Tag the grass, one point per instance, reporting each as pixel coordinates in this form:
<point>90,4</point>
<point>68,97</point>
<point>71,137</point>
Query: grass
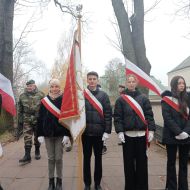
<point>6,137</point>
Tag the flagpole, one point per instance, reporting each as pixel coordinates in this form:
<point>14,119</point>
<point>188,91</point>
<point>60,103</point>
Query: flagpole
<point>79,139</point>
<point>79,16</point>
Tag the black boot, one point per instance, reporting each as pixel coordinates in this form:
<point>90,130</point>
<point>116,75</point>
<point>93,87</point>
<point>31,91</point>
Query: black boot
<point>98,187</point>
<point>37,153</point>
<point>51,184</point>
<point>1,188</point>
<point>87,187</point>
<point>27,158</point>
<point>58,184</point>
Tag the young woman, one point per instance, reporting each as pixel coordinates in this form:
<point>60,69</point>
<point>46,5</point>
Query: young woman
<point>175,111</point>
<point>55,134</point>
<point>134,123</point>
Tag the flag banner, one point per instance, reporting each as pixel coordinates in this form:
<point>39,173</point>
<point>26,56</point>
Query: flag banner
<point>73,104</point>
<point>143,78</point>
<point>8,101</point>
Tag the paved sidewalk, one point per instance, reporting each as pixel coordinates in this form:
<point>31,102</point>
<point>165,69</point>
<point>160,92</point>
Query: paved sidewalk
<point>34,176</point>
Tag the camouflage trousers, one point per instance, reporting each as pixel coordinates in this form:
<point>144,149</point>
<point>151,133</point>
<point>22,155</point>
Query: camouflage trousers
<point>28,131</point>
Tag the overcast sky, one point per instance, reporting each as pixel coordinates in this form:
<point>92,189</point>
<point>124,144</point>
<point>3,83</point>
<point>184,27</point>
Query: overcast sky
<point>164,36</point>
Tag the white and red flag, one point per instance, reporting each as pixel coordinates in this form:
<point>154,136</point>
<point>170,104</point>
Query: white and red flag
<point>143,78</point>
<point>73,104</point>
<point>8,101</point>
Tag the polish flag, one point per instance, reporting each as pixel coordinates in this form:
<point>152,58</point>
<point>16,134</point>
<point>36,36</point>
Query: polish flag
<point>8,101</point>
<point>143,78</point>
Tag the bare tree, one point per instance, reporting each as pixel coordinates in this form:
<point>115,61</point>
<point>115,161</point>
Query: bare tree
<point>25,64</point>
<point>131,26</point>
<point>114,75</point>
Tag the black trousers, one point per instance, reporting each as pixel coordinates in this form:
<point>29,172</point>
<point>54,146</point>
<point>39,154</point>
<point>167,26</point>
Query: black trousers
<point>171,181</point>
<point>135,163</point>
<point>89,143</point>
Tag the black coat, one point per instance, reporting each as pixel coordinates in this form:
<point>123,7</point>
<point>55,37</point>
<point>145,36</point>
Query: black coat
<point>48,125</point>
<point>126,119</point>
<point>174,123</point>
<point>96,125</point>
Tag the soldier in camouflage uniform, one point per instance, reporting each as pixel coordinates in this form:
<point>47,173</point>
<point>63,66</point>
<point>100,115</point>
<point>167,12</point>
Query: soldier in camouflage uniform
<point>28,108</point>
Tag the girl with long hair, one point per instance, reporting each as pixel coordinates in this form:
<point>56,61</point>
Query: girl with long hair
<point>175,111</point>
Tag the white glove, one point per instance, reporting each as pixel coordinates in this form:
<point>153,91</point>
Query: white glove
<point>66,141</point>
<point>182,136</point>
<point>121,137</point>
<point>105,137</point>
<point>1,151</point>
<point>150,136</point>
<point>41,139</point>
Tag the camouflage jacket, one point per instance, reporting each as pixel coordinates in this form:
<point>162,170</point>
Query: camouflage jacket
<point>28,106</point>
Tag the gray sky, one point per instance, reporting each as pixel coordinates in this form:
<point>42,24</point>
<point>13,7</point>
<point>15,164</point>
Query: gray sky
<point>164,36</point>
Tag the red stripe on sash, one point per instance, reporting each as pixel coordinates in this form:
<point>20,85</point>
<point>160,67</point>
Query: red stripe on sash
<point>134,107</point>
<point>173,104</point>
<point>93,103</point>
<point>49,108</point>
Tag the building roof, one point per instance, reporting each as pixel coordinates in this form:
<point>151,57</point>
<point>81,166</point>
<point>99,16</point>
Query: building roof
<point>183,65</point>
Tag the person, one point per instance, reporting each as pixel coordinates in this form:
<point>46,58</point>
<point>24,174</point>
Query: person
<point>98,126</point>
<point>28,108</point>
<point>121,88</point>
<point>175,111</point>
<point>1,149</point>
<point>134,123</point>
<point>104,149</point>
<point>53,132</point>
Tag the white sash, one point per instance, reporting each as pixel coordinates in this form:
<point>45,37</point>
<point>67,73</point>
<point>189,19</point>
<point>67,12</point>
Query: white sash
<point>94,101</point>
<point>51,107</point>
<point>135,106</point>
<point>173,102</point>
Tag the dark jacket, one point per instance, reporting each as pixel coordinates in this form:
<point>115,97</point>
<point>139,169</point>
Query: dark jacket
<point>126,119</point>
<point>96,125</point>
<point>48,125</point>
<point>174,123</point>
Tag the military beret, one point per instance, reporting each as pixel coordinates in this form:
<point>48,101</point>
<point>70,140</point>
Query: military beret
<point>30,82</point>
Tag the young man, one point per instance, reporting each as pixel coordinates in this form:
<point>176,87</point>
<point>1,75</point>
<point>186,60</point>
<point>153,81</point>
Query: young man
<point>28,108</point>
<point>98,126</point>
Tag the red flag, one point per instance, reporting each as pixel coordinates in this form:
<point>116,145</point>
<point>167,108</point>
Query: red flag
<point>8,101</point>
<point>73,103</point>
<point>143,78</point>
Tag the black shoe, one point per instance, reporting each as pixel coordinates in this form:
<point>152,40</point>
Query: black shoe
<point>104,149</point>
<point>98,187</point>
<point>1,188</point>
<point>120,143</point>
<point>87,187</point>
<point>51,184</point>
<point>37,153</point>
<point>58,184</point>
<point>27,158</point>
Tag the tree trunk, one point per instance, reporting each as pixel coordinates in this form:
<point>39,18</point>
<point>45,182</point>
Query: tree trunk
<point>6,50</point>
<point>132,33</point>
<point>125,31</point>
<point>6,38</point>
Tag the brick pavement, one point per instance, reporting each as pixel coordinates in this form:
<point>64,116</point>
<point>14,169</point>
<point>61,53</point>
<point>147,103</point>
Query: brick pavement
<point>34,176</point>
